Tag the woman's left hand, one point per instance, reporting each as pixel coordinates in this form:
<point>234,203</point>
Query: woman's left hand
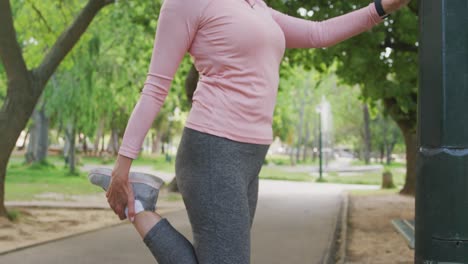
<point>391,6</point>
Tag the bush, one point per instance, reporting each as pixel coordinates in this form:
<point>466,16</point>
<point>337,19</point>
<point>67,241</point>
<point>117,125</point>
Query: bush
<point>13,215</point>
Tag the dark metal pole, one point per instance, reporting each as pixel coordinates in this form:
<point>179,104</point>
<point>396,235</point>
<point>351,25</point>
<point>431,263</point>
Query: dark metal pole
<point>442,176</point>
<point>320,146</point>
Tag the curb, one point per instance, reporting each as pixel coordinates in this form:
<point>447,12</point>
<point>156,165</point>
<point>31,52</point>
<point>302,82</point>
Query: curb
<point>336,253</point>
<point>334,246</point>
<point>342,238</point>
<point>58,239</point>
<point>75,234</point>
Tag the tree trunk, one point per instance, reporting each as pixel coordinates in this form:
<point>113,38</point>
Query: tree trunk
<point>306,141</point>
<point>411,155</point>
<point>407,124</point>
<point>99,132</point>
<point>102,145</point>
<point>31,148</point>
<point>4,157</point>
<point>389,151</point>
<point>71,158</point>
<point>115,140</point>
<point>156,143</point>
<point>382,153</point>
<point>387,180</point>
<point>25,86</point>
<point>299,130</point>
<point>113,145</point>
<point>367,134</point>
<point>85,145</point>
<point>39,137</point>
<point>291,156</point>
<point>43,135</point>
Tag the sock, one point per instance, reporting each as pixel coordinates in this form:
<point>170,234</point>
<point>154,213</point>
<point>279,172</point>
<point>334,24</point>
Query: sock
<point>138,209</point>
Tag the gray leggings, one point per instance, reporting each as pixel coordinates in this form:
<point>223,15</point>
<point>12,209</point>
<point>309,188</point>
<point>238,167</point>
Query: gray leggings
<point>218,180</point>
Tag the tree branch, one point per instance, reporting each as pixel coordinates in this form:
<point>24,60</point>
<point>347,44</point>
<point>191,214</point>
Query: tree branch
<point>414,7</point>
<point>404,120</point>
<point>41,17</point>
<point>399,46</point>
<point>10,51</point>
<point>68,39</point>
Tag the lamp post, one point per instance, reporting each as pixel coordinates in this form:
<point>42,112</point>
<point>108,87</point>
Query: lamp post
<point>442,176</point>
<point>319,111</point>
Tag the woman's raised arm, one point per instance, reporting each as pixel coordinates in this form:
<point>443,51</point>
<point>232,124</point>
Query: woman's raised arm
<point>302,33</point>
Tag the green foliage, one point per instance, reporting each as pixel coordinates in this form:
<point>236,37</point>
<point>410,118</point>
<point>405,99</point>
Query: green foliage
<point>385,133</point>
<point>277,160</point>
<point>102,76</point>
<point>13,215</point>
<point>39,23</point>
<point>382,61</point>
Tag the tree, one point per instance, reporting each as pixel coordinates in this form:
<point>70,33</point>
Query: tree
<point>367,134</point>
<point>385,135</point>
<point>25,86</point>
<point>382,62</point>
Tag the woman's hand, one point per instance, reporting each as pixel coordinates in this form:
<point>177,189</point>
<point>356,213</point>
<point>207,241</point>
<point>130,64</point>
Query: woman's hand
<point>120,192</point>
<point>391,6</point>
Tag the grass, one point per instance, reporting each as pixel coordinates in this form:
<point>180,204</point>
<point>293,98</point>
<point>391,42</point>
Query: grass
<point>364,178</point>
<point>24,182</point>
<point>279,174</point>
<point>374,192</point>
<point>158,162</point>
<point>285,160</point>
<point>391,166</point>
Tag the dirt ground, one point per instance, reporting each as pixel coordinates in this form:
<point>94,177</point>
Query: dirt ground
<point>38,225</point>
<point>372,239</point>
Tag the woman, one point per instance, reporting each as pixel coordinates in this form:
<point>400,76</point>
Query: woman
<point>237,46</point>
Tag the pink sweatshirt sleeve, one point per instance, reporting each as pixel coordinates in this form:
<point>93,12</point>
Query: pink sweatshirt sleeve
<point>177,25</point>
<point>302,33</point>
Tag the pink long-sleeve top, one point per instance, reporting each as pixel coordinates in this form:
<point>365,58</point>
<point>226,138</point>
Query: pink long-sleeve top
<point>237,47</point>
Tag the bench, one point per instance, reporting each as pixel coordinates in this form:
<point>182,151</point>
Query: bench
<point>406,229</point>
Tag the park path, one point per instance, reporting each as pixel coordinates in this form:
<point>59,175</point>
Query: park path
<point>294,224</point>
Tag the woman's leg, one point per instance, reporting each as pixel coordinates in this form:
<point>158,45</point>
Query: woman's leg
<point>144,221</point>
<point>166,244</point>
<point>214,175</point>
<point>252,191</point>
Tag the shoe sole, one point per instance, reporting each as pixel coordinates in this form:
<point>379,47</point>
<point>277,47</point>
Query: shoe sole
<point>134,177</point>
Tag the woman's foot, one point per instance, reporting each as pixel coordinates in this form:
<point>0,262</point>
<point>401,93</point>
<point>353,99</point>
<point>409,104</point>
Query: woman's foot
<point>145,186</point>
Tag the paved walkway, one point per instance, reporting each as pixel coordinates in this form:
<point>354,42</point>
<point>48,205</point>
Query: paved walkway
<point>294,224</point>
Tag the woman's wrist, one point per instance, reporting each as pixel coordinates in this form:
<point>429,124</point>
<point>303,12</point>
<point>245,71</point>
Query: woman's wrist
<point>123,164</point>
<point>390,6</point>
<point>380,9</point>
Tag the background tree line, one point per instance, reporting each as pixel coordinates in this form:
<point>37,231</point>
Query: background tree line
<point>77,67</point>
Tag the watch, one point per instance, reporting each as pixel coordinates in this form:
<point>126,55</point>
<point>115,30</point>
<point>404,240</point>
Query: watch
<point>380,10</point>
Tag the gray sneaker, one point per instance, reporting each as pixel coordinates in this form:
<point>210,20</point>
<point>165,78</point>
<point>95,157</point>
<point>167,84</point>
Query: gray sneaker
<point>145,186</point>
